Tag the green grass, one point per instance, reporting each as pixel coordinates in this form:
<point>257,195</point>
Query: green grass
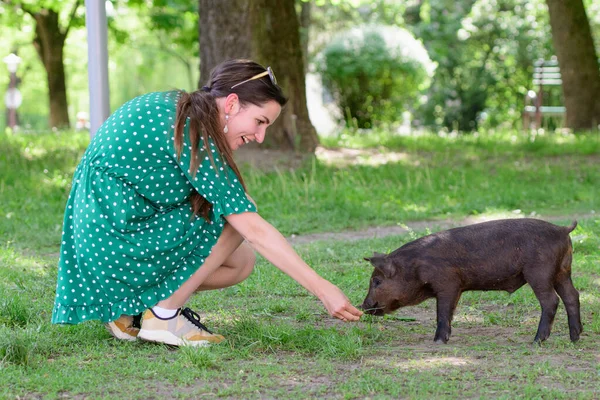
<point>280,342</point>
<point>435,178</point>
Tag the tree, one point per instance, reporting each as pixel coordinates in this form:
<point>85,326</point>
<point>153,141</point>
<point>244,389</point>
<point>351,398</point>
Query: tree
<point>268,32</point>
<point>49,41</point>
<point>174,25</point>
<point>578,62</point>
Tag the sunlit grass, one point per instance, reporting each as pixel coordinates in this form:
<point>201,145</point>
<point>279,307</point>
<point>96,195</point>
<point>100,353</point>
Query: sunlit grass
<point>535,143</point>
<point>280,342</point>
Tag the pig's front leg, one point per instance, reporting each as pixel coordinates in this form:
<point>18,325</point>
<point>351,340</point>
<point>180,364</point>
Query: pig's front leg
<point>446,303</point>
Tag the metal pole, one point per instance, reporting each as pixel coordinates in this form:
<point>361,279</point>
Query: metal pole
<point>95,21</point>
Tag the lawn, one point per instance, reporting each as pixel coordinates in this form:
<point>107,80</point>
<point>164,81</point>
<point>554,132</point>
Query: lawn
<point>280,341</point>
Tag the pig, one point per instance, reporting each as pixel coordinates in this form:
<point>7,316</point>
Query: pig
<point>495,255</point>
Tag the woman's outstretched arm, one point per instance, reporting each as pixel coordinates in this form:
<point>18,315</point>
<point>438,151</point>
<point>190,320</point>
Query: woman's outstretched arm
<point>268,242</point>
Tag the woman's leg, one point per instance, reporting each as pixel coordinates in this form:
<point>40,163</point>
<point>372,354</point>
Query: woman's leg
<point>237,267</point>
<point>230,262</point>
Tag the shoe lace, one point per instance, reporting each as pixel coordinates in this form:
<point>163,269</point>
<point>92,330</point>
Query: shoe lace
<point>137,321</point>
<point>194,318</point>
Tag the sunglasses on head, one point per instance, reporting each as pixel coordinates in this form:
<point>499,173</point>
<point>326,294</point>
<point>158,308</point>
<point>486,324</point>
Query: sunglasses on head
<point>269,72</point>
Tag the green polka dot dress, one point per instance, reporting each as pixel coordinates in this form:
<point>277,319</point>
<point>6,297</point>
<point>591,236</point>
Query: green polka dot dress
<point>129,237</point>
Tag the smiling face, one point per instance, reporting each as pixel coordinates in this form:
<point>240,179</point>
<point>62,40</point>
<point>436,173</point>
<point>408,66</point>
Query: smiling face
<point>249,122</point>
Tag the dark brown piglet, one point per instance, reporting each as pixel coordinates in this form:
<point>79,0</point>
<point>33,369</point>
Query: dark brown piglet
<point>495,255</point>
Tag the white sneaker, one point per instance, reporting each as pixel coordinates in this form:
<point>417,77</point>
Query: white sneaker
<point>182,329</point>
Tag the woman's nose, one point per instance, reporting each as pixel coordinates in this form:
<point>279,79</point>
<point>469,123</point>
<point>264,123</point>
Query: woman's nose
<point>260,135</point>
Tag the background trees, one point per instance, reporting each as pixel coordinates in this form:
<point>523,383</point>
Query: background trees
<point>51,27</point>
<point>483,50</point>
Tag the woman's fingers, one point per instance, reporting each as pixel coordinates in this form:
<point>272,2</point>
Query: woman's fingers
<point>338,305</point>
<point>349,313</point>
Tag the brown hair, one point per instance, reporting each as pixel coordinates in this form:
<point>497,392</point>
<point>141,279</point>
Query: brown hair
<point>201,108</point>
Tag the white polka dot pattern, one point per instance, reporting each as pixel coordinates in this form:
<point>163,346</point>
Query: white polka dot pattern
<point>129,237</point>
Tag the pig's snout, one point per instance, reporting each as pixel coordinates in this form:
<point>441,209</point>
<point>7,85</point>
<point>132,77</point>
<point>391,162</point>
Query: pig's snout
<point>372,308</point>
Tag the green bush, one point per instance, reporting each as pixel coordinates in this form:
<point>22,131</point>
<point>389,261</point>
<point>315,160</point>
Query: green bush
<point>374,73</point>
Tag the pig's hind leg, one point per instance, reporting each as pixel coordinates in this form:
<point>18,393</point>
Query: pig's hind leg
<point>570,296</point>
<point>544,291</point>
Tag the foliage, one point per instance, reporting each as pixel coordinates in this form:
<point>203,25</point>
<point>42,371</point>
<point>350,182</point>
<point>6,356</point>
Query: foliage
<point>328,17</point>
<point>593,13</point>
<point>18,34</point>
<point>176,21</point>
<point>164,57</point>
<point>485,52</point>
<point>374,73</point>
<point>140,59</point>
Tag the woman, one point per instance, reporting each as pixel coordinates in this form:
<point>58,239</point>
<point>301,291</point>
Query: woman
<point>158,210</point>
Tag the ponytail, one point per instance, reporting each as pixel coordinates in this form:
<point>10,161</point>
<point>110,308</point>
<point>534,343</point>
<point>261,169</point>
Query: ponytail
<point>200,110</point>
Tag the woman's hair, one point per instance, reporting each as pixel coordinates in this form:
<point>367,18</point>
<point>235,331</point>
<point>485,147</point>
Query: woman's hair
<point>201,108</point>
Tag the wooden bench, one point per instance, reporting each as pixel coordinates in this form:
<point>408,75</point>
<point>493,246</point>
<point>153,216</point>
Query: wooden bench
<point>546,73</point>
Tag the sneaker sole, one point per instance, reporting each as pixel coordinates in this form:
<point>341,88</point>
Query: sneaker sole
<point>167,337</point>
<point>117,333</point>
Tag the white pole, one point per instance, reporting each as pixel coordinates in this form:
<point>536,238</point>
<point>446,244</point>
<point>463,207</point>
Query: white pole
<point>95,21</point>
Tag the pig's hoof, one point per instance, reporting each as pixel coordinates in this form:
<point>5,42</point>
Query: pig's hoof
<point>441,338</point>
<point>574,338</point>
<point>574,333</point>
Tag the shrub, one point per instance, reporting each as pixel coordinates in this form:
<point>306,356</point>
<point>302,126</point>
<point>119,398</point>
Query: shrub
<point>374,73</point>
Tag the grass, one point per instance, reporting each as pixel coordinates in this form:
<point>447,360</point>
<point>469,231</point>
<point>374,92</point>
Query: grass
<point>280,342</point>
<point>434,178</point>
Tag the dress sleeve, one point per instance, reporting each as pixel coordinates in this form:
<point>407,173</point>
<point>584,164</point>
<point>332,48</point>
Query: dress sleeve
<point>215,180</point>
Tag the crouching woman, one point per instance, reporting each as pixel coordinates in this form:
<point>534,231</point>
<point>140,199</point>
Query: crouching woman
<point>158,210</point>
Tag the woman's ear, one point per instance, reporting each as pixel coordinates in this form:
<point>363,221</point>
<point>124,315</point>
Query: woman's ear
<point>232,104</point>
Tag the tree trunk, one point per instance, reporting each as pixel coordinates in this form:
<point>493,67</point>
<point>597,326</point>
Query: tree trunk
<point>49,42</point>
<point>224,32</point>
<point>266,31</point>
<point>578,62</point>
<point>305,18</point>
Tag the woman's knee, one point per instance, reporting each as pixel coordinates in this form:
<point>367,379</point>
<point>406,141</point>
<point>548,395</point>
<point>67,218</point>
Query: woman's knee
<point>249,261</point>
<point>241,262</point>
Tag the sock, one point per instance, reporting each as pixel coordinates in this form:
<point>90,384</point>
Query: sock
<point>164,312</point>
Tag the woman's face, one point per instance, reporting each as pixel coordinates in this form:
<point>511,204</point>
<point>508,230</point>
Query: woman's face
<point>249,123</point>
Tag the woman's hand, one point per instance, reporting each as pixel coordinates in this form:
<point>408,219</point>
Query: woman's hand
<point>337,304</point>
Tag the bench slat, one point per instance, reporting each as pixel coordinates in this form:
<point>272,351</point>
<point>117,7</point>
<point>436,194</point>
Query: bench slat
<point>547,69</point>
<point>546,110</point>
<point>546,76</point>
<point>547,81</point>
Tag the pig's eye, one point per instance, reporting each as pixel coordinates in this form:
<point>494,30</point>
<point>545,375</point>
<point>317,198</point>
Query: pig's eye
<point>376,281</point>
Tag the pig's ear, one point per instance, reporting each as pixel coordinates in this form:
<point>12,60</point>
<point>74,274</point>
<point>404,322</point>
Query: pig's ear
<point>382,263</point>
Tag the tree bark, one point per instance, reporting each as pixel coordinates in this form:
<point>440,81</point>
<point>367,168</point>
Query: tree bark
<point>578,62</point>
<point>266,31</point>
<point>224,32</point>
<point>305,19</point>
<point>49,42</point>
